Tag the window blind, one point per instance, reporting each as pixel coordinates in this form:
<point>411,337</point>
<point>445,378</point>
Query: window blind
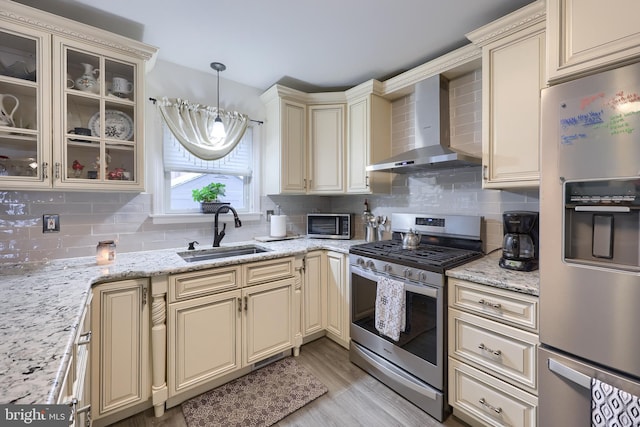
<point>238,162</point>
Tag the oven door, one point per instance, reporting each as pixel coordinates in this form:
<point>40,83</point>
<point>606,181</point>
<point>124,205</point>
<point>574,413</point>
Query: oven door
<point>420,348</point>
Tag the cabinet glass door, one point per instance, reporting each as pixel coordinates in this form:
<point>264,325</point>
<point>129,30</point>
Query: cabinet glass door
<point>21,127</point>
<point>99,144</point>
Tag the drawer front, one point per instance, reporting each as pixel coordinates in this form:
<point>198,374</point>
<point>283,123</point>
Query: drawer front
<point>505,306</point>
<point>489,400</point>
<point>505,351</point>
<point>268,271</point>
<point>206,282</point>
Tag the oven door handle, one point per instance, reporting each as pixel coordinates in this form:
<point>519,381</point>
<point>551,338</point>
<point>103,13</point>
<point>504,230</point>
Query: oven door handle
<point>421,290</point>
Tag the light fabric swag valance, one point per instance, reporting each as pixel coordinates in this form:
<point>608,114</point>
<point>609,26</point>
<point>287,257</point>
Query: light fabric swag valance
<point>192,125</point>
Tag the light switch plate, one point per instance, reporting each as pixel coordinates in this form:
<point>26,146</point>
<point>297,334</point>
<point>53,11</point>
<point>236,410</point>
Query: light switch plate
<point>50,223</point>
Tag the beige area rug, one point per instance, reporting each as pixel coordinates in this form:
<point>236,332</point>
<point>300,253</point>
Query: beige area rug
<point>261,398</point>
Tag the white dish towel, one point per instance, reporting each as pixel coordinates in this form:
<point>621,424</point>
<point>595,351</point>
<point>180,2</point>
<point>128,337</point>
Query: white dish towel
<point>611,406</point>
<point>390,307</point>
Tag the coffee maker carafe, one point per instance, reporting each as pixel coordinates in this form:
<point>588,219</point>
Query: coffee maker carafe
<point>520,241</point>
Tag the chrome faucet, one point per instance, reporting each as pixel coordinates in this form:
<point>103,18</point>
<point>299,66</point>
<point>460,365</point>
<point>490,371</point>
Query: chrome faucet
<point>217,237</point>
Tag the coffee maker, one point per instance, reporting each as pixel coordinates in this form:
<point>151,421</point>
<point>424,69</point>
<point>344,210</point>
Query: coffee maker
<point>520,241</point>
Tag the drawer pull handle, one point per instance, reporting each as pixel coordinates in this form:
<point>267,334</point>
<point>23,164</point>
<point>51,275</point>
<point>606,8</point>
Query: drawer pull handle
<point>490,304</point>
<point>488,406</point>
<point>488,350</point>
<point>84,339</point>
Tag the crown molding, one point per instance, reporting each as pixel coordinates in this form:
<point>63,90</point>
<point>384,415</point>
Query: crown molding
<point>524,17</point>
<point>60,26</point>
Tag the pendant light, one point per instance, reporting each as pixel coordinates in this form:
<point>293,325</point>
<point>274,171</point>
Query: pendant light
<point>218,130</point>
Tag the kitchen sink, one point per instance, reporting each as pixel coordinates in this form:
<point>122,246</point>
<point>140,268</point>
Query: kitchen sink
<point>216,253</point>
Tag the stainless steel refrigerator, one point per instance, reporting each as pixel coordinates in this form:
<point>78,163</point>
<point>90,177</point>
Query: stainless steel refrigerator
<point>589,358</point>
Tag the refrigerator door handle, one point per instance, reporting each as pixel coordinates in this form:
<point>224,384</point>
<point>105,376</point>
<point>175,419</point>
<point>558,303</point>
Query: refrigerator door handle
<point>570,374</point>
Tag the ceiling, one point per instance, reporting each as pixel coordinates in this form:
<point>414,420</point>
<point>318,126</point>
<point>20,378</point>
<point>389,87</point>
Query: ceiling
<point>308,45</point>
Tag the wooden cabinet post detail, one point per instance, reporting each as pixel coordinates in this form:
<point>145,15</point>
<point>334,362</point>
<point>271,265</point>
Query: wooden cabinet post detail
<point>159,343</point>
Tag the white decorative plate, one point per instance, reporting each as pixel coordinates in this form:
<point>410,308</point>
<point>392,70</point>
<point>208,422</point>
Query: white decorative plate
<point>118,125</point>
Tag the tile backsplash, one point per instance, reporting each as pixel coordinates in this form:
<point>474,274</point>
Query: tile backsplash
<point>86,218</point>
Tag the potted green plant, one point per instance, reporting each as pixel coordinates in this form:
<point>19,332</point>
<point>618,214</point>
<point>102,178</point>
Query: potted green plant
<point>208,196</point>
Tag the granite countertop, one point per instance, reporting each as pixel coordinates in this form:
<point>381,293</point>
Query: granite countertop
<point>42,303</point>
<point>487,272</point>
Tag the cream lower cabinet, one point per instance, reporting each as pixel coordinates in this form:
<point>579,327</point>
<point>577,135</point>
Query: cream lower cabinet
<point>225,319</point>
<point>267,325</point>
<point>337,298</point>
<point>204,339</point>
<point>313,308</point>
<point>584,36</point>
<point>513,73</point>
<point>120,359</point>
<point>493,342</point>
<point>326,296</point>
<point>76,385</point>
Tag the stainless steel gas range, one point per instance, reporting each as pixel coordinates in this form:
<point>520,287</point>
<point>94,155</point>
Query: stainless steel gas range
<point>414,365</point>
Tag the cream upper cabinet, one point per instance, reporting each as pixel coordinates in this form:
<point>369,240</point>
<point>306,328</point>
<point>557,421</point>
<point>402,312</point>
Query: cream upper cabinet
<point>513,75</point>
<point>100,91</point>
<point>368,139</point>
<point>326,148</point>
<point>75,97</point>
<point>588,35</point>
<point>284,154</point>
<point>321,143</point>
<point>25,128</point>
<point>120,368</point>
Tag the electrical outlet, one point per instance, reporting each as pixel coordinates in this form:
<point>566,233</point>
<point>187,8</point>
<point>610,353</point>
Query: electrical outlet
<point>269,213</point>
<point>50,223</point>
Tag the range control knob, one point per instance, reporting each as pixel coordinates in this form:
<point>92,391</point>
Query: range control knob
<point>360,261</point>
<point>387,268</point>
<point>407,273</point>
<point>370,264</point>
<point>423,276</point>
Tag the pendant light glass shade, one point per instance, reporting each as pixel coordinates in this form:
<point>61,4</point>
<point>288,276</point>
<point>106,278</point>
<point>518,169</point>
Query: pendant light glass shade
<point>218,130</point>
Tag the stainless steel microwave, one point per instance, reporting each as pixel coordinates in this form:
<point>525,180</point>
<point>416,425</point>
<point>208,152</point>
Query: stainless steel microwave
<point>330,226</point>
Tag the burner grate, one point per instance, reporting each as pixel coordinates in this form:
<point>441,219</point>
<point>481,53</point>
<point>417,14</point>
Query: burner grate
<point>424,255</point>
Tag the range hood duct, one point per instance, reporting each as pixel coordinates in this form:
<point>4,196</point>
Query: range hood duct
<point>432,141</point>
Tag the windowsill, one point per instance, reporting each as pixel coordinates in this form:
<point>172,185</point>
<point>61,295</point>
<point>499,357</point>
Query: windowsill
<point>193,218</point>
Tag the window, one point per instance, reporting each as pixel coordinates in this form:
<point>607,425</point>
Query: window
<point>184,172</point>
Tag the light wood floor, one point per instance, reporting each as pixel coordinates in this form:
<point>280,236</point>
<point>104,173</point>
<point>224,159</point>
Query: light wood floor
<point>354,398</point>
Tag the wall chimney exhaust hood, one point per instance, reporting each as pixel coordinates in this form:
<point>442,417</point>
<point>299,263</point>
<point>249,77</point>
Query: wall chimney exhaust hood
<point>432,134</point>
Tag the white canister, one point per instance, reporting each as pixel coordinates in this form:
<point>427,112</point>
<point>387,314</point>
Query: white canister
<point>278,226</point>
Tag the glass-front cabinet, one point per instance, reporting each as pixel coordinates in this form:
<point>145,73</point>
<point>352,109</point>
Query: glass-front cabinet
<point>71,104</point>
<point>97,123</point>
<point>24,89</point>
